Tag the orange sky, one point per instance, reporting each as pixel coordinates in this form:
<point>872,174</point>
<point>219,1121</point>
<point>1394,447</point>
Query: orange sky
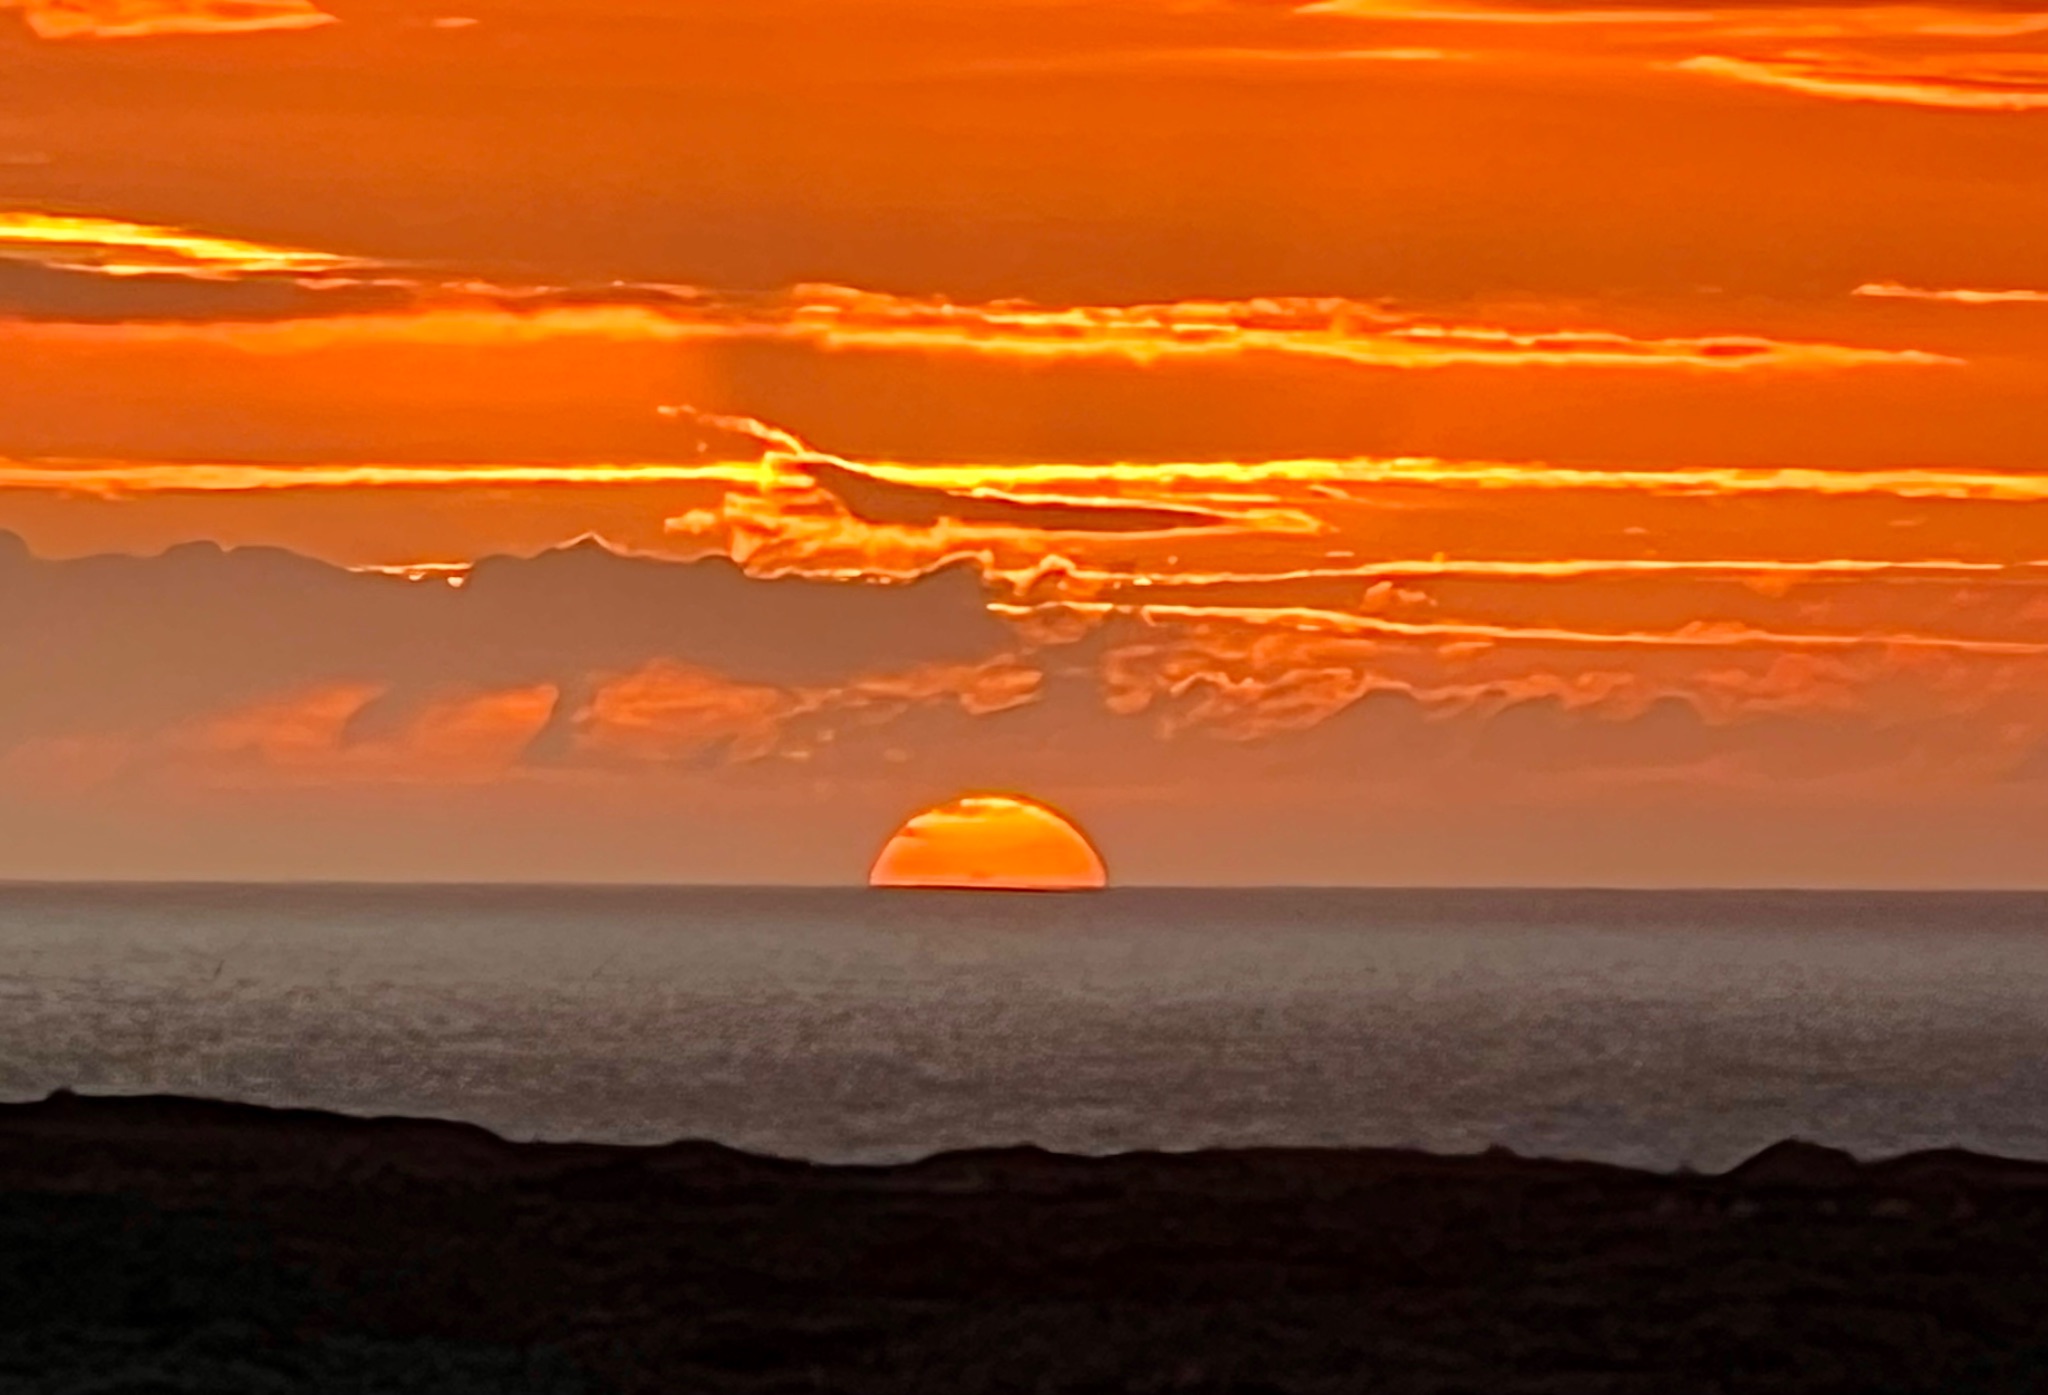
<point>1336,442</point>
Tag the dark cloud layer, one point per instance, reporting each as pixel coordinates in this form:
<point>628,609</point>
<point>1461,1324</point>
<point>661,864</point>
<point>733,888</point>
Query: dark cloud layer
<point>35,292</point>
<point>126,643</point>
<point>916,506</point>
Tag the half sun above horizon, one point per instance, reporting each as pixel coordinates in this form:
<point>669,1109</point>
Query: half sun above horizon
<point>990,842</point>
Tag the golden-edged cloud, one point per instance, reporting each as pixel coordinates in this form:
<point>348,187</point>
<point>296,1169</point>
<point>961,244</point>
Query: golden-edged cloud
<point>1958,57</point>
<point>1225,59</point>
<point>1329,328</point>
<point>1245,683</point>
<point>898,502</point>
<point>842,321</point>
<point>115,247</point>
<point>453,312</point>
<point>1539,15</point>
<point>791,508</point>
<point>119,479</point>
<point>887,325</point>
<point>1702,634</point>
<point>138,19</point>
<point>1892,290</point>
<point>2000,83</point>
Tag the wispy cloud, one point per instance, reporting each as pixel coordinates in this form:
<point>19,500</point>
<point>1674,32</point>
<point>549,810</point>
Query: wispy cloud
<point>897,502</point>
<point>469,311</point>
<point>839,320</point>
<point>1765,572</point>
<point>1218,59</point>
<point>137,19</point>
<point>114,247</point>
<point>1331,328</point>
<point>1116,533</point>
<point>1028,485</point>
<point>1568,14</point>
<point>1976,19</point>
<point>1954,56</point>
<point>1892,290</point>
<point>2009,83</point>
<point>118,480</point>
<point>1245,682</point>
<point>1702,634</point>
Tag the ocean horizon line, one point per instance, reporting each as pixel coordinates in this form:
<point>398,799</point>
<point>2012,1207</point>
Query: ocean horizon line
<point>1617,889</point>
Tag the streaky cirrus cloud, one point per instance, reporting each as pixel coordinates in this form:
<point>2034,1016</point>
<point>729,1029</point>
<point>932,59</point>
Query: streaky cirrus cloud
<point>139,19</point>
<point>1334,328</point>
<point>1958,57</point>
<point>477,312</point>
<point>1219,58</point>
<point>2003,83</point>
<point>1962,19</point>
<point>813,514</point>
<point>1189,478</point>
<point>792,511</point>
<point>849,321</point>
<point>1701,634</point>
<point>115,247</point>
<point>1759,571</point>
<point>1892,290</point>
<point>1622,15</point>
<point>873,499</point>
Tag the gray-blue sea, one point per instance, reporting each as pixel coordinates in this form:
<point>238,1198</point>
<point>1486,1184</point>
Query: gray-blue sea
<point>1648,1028</point>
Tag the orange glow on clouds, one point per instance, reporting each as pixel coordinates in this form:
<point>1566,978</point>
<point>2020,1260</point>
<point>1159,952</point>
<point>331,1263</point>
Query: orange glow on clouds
<point>303,738</point>
<point>138,19</point>
<point>836,319</point>
<point>2010,83</point>
<point>119,480</point>
<point>666,712</point>
<point>989,842</point>
<point>468,313</point>
<point>1961,295</point>
<point>1898,54</point>
<point>114,247</point>
<point>1094,397</point>
<point>1699,634</point>
<point>1328,328</point>
<point>662,714</point>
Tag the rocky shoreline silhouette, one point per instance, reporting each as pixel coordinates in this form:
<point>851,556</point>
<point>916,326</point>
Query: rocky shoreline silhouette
<point>169,1245</point>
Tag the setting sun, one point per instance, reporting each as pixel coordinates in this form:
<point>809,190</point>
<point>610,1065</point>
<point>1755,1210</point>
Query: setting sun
<point>990,842</point>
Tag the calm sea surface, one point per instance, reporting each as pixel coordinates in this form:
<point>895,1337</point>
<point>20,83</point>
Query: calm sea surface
<point>1645,1028</point>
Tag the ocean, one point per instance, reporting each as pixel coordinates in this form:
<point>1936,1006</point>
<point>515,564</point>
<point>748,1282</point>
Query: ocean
<point>1655,1029</point>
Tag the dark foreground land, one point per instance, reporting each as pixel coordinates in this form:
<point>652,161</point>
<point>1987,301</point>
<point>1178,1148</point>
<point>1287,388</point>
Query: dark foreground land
<point>167,1245</point>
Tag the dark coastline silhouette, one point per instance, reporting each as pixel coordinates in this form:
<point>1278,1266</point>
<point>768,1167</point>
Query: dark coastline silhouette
<point>172,1245</point>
